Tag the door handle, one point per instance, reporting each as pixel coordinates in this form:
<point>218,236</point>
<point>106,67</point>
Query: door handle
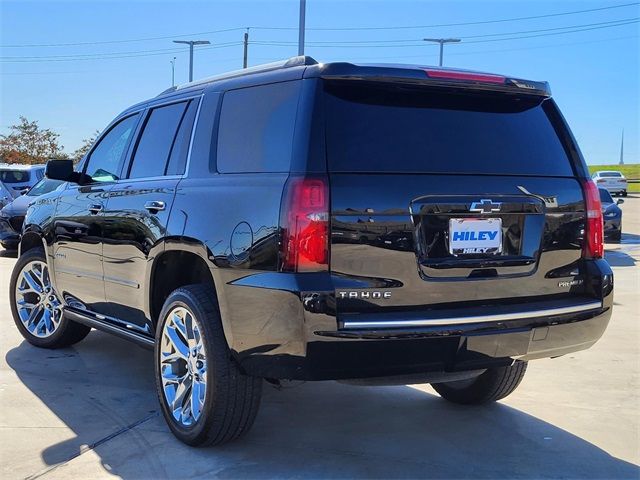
<point>155,206</point>
<point>95,208</point>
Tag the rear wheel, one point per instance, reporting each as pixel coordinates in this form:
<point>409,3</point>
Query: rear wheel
<point>617,236</point>
<point>205,398</point>
<point>624,193</point>
<point>494,384</point>
<point>36,307</point>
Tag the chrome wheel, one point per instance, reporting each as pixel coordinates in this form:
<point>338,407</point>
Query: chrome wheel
<point>183,366</point>
<point>38,306</point>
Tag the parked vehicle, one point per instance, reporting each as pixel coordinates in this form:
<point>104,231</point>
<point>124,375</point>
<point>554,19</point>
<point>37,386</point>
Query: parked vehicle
<point>20,178</point>
<point>612,215</point>
<point>12,215</point>
<point>613,181</point>
<point>201,226</point>
<point>6,196</point>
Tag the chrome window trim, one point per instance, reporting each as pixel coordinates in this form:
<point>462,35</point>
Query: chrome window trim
<point>502,317</point>
<point>193,134</point>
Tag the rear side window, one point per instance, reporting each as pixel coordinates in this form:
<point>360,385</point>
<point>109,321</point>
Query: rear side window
<point>180,149</point>
<point>256,128</point>
<point>158,136</point>
<point>393,128</point>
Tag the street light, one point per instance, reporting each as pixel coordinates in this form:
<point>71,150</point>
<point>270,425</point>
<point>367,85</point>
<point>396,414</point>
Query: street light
<point>442,41</point>
<point>173,71</point>
<point>191,43</point>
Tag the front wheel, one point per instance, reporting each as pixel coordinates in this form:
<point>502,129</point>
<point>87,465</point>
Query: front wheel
<point>36,307</point>
<point>205,398</point>
<point>493,385</point>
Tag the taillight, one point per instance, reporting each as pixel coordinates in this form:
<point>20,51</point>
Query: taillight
<point>465,76</point>
<point>304,222</point>
<point>594,227</point>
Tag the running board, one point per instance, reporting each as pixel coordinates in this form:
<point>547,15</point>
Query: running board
<point>88,319</point>
<point>501,317</point>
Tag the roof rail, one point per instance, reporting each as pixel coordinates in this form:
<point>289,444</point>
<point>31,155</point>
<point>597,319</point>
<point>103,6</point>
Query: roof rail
<point>266,67</point>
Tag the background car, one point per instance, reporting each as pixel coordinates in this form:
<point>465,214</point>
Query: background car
<point>12,215</point>
<point>6,196</point>
<point>613,181</point>
<point>612,215</point>
<point>20,178</point>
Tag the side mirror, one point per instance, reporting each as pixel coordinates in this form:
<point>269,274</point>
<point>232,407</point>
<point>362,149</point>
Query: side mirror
<point>619,201</point>
<point>60,170</point>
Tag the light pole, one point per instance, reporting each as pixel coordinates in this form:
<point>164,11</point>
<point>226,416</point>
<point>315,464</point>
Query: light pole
<point>173,71</point>
<point>191,43</point>
<point>442,41</point>
<point>245,56</point>
<point>301,26</point>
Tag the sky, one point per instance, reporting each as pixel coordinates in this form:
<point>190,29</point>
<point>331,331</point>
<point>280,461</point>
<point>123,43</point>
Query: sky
<point>74,65</point>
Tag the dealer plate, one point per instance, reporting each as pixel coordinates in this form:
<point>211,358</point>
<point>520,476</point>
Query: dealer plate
<point>473,236</point>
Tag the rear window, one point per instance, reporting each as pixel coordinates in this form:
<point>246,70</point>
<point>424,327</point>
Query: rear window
<point>15,176</point>
<point>393,128</point>
<point>610,174</point>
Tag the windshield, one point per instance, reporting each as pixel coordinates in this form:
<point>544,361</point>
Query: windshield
<point>394,128</point>
<point>605,196</point>
<point>15,176</point>
<point>44,186</point>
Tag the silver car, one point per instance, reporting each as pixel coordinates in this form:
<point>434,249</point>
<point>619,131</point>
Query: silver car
<point>20,178</point>
<point>611,180</point>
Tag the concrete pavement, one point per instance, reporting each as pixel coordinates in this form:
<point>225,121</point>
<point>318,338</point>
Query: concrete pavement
<point>91,412</point>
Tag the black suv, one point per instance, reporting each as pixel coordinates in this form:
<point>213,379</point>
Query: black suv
<point>375,224</point>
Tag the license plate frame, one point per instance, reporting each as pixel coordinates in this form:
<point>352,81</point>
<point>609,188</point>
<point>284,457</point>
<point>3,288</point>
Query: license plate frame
<point>474,236</point>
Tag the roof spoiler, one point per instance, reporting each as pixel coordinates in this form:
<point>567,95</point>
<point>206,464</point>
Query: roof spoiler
<point>434,76</point>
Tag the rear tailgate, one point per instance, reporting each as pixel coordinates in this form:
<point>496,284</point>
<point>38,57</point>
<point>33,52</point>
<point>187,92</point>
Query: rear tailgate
<point>444,200</point>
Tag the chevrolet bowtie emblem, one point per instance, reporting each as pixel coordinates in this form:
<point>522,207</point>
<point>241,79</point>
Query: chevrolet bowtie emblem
<point>485,206</point>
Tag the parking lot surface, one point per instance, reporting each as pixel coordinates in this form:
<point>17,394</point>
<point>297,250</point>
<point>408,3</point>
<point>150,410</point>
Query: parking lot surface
<point>91,412</point>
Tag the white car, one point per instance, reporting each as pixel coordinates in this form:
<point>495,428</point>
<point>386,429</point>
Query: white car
<point>20,178</point>
<point>611,180</point>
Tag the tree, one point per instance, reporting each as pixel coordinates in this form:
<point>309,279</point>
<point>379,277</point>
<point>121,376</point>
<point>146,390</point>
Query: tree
<point>28,143</point>
<point>87,143</point>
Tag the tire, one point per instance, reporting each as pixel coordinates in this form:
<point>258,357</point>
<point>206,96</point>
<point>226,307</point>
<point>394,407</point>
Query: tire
<point>44,324</point>
<point>231,398</point>
<point>624,194</point>
<point>616,237</point>
<point>493,385</point>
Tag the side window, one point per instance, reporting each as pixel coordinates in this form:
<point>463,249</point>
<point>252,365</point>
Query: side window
<point>256,128</point>
<point>180,149</point>
<point>106,158</point>
<point>158,136</point>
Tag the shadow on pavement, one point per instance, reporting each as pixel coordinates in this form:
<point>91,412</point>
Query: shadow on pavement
<point>616,254</point>
<point>630,239</point>
<point>103,385</point>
